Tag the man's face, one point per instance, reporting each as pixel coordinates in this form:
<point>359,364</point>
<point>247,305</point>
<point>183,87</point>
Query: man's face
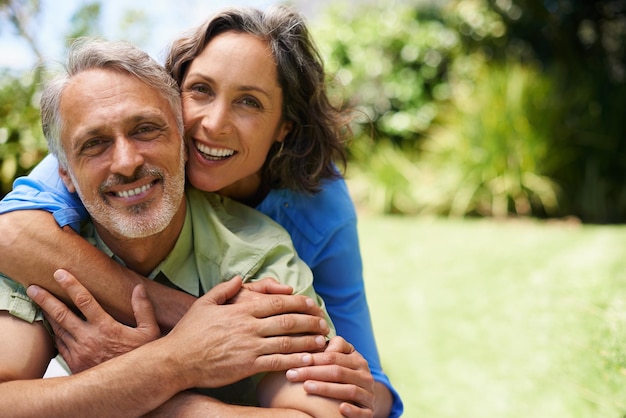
<point>125,155</point>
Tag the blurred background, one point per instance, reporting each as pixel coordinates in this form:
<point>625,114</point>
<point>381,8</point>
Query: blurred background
<point>488,166</point>
<point>466,107</point>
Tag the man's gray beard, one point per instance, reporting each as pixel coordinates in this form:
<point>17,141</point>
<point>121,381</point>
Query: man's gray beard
<point>135,223</point>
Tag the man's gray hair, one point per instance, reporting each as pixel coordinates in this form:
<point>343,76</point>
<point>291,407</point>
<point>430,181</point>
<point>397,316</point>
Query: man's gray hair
<point>92,53</point>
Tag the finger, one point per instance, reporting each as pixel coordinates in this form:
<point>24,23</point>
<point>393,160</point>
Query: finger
<point>58,314</point>
<point>280,362</point>
<point>351,393</point>
<point>270,305</point>
<point>144,311</point>
<point>62,347</point>
<point>349,410</point>
<point>354,361</point>
<point>224,291</point>
<point>338,344</point>
<point>292,344</point>
<point>80,296</point>
<point>290,324</point>
<point>269,285</point>
<point>333,374</point>
<point>59,332</point>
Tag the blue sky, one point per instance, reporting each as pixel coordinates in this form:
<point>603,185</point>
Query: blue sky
<point>169,18</point>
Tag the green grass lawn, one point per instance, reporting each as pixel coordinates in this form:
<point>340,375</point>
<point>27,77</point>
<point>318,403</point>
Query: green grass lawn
<point>499,319</point>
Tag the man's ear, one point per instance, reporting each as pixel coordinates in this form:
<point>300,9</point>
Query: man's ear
<point>67,179</point>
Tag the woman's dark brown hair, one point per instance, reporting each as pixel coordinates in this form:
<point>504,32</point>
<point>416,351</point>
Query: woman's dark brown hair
<point>316,140</point>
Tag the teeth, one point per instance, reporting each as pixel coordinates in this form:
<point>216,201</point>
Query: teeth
<point>215,153</point>
<point>133,192</point>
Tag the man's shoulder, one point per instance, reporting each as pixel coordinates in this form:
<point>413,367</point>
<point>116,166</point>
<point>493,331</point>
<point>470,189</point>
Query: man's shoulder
<point>222,212</point>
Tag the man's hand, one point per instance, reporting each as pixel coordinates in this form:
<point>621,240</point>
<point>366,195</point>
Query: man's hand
<point>268,285</point>
<point>251,291</point>
<point>340,372</point>
<point>98,338</point>
<point>217,344</point>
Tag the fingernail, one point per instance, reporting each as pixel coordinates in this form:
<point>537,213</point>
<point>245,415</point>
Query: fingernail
<point>323,324</point>
<point>310,303</point>
<point>310,386</point>
<point>320,341</point>
<point>59,275</point>
<point>291,374</point>
<point>32,291</point>
<point>306,359</point>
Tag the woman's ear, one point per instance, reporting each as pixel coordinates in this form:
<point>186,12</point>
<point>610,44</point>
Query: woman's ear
<point>284,130</point>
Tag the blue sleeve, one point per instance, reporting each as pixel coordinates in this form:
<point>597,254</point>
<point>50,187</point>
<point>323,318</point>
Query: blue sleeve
<point>323,228</point>
<point>339,281</point>
<point>43,189</point>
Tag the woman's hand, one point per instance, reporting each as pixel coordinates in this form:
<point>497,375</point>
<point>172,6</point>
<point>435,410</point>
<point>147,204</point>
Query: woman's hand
<point>339,372</point>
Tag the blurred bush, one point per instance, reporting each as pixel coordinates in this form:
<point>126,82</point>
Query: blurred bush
<point>21,141</point>
<point>489,108</point>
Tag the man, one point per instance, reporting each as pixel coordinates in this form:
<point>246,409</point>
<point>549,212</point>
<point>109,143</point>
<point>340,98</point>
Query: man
<point>114,125</point>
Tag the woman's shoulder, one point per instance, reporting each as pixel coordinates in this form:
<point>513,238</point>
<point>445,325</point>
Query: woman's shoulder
<point>319,214</point>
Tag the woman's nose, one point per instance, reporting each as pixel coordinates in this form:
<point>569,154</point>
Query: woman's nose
<point>217,119</point>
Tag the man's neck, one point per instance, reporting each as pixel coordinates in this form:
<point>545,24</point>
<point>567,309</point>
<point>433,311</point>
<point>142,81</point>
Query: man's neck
<point>143,255</point>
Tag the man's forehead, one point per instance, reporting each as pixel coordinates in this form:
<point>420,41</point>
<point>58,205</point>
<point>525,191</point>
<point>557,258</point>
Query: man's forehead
<point>96,81</point>
<point>101,100</point>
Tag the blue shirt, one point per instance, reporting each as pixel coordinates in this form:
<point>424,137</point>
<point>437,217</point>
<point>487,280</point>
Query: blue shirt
<point>322,227</point>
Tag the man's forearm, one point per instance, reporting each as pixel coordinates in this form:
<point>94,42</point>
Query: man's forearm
<point>127,386</point>
<point>33,247</point>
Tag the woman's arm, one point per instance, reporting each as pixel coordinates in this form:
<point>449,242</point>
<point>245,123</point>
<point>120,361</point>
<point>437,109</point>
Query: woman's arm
<point>190,404</point>
<point>33,247</point>
<point>275,391</point>
<point>338,279</point>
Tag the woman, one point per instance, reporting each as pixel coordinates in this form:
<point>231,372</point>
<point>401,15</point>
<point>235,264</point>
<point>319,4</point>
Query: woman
<point>259,129</point>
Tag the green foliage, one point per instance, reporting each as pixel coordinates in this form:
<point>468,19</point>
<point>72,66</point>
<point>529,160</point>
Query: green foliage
<point>504,107</point>
<point>390,62</point>
<point>384,178</point>
<point>581,46</point>
<point>494,141</point>
<point>21,141</point>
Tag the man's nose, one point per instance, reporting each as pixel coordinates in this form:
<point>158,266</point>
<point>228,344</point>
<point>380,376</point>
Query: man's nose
<point>126,157</point>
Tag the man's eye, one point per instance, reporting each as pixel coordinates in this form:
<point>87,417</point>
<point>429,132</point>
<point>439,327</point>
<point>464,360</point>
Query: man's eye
<point>92,143</point>
<point>147,132</point>
<point>94,146</point>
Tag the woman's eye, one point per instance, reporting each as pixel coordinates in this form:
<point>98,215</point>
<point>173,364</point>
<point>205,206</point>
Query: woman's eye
<point>200,88</point>
<point>249,101</point>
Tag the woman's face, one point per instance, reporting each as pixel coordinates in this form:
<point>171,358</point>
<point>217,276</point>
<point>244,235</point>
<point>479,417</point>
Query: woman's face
<point>232,111</point>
